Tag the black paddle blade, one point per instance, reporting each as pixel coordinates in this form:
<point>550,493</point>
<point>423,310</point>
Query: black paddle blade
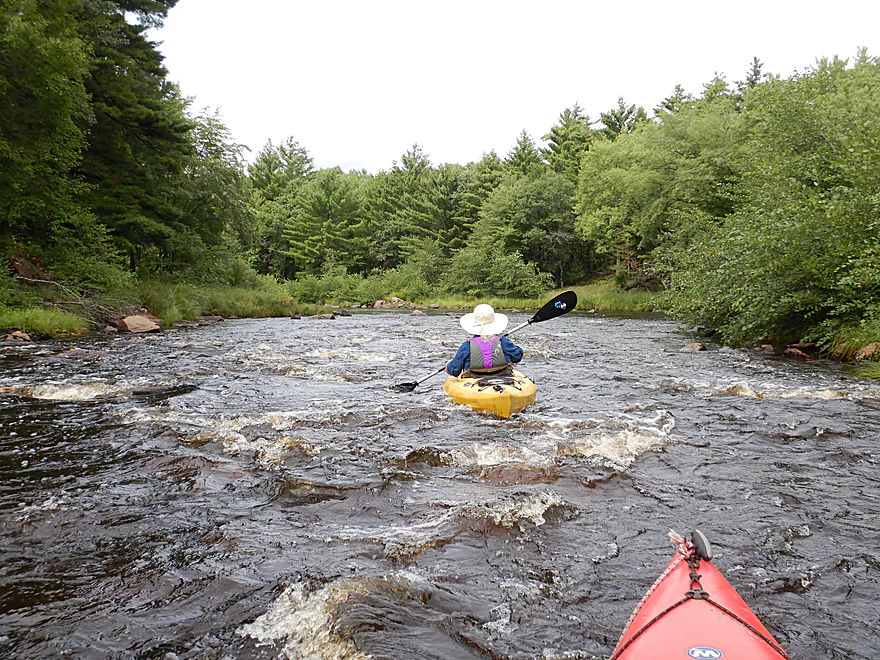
<point>404,387</point>
<point>561,304</point>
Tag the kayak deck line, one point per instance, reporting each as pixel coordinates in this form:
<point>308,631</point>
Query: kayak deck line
<point>500,394</point>
<point>667,632</point>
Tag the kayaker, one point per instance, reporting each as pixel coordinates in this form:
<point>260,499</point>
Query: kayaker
<point>486,352</point>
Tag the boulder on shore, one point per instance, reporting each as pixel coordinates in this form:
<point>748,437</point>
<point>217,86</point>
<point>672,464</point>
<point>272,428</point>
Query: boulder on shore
<point>867,352</point>
<point>18,335</point>
<point>138,324</point>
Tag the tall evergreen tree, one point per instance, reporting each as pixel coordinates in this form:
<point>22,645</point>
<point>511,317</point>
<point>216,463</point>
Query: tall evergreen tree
<point>622,119</point>
<point>140,140</point>
<point>675,102</point>
<point>567,141</point>
<point>276,174</point>
<point>326,223</point>
<point>276,168</point>
<point>524,158</point>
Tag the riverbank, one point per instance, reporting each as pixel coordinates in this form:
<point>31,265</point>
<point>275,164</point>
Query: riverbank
<point>48,309</point>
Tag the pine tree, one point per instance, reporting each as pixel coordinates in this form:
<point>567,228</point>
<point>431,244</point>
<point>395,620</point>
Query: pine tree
<point>622,119</point>
<point>567,141</point>
<point>524,158</point>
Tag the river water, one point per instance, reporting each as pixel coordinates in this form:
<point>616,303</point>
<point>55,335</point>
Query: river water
<point>255,490</point>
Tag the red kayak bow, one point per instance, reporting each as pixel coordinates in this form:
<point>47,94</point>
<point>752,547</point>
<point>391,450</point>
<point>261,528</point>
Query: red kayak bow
<point>692,612</point>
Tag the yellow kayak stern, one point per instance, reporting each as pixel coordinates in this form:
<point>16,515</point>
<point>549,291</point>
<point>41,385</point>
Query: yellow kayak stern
<point>501,395</point>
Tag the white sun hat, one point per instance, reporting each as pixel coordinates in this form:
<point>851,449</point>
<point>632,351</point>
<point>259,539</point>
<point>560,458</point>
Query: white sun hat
<point>484,321</point>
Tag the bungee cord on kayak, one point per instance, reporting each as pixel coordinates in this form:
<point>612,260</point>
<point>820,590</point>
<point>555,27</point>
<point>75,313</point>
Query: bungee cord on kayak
<point>666,632</point>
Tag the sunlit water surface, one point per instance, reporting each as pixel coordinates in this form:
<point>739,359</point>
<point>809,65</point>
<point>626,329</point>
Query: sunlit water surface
<point>255,490</point>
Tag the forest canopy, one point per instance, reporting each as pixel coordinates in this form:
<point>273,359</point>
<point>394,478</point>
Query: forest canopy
<point>752,205</point>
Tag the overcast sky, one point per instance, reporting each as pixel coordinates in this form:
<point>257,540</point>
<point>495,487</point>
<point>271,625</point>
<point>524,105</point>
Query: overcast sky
<point>358,82</point>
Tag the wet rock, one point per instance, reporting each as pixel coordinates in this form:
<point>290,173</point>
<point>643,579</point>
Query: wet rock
<point>868,352</point>
<point>693,347</point>
<point>209,319</point>
<point>322,316</point>
<point>764,348</point>
<point>797,353</point>
<point>18,335</point>
<point>418,312</point>
<point>138,324</point>
<point>343,312</point>
<point>109,330</point>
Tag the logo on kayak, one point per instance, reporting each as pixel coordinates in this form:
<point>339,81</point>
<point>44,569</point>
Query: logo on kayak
<point>704,653</point>
<point>560,305</point>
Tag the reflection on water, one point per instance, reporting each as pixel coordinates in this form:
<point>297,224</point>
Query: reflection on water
<point>255,489</point>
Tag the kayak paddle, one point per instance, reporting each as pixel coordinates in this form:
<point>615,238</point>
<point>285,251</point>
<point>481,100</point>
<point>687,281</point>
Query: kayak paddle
<point>561,304</point>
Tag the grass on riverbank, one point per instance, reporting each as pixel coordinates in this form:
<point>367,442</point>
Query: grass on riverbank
<point>601,295</point>
<point>847,342</point>
<point>855,344</point>
<point>604,296</point>
<point>265,297</point>
<point>176,302</point>
<point>52,322</point>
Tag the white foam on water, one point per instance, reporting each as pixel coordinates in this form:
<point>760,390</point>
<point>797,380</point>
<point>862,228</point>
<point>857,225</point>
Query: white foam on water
<point>26,512</point>
<point>768,390</point>
<point>77,390</point>
<point>621,438</point>
<point>305,624</point>
<point>494,453</point>
<point>270,452</point>
<point>511,511</point>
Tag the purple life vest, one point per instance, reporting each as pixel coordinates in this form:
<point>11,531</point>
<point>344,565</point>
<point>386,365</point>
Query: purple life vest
<point>487,356</point>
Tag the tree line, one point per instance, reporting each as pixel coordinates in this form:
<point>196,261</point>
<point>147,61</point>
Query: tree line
<point>753,205</point>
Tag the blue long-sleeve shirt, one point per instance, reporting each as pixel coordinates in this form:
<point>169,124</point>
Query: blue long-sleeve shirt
<point>462,360</point>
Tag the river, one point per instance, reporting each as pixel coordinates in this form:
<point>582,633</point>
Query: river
<point>254,489</point>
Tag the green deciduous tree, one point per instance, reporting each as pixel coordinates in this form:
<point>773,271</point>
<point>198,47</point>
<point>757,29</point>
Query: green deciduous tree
<point>534,217</point>
<point>44,109</point>
<point>797,259</point>
<point>646,189</point>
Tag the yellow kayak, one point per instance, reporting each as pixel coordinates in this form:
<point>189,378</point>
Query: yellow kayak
<point>500,395</point>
